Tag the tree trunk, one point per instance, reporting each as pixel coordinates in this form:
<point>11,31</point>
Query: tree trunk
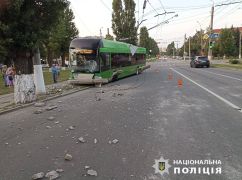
<point>49,57</point>
<point>23,63</point>
<point>24,87</point>
<point>63,64</point>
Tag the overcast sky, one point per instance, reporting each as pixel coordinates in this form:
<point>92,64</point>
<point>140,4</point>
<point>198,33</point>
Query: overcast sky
<point>93,15</point>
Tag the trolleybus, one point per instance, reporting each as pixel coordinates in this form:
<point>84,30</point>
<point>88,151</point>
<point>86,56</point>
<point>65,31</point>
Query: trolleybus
<point>96,60</point>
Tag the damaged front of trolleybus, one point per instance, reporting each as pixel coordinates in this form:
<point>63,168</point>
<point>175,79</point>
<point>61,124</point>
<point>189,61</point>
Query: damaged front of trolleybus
<point>84,61</point>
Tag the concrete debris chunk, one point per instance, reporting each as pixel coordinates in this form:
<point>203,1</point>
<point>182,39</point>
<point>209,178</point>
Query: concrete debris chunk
<point>38,111</point>
<point>81,139</point>
<point>39,104</point>
<point>57,122</point>
<point>48,127</point>
<point>39,175</point>
<point>52,175</point>
<point>51,108</point>
<point>115,141</point>
<point>91,172</point>
<point>59,170</point>
<point>68,157</point>
<point>95,141</point>
<point>51,118</point>
<point>87,167</point>
<point>71,127</point>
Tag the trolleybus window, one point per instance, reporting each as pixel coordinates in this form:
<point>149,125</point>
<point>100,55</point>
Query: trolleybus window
<point>105,62</point>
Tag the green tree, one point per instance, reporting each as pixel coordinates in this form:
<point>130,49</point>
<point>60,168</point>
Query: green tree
<point>144,37</point>
<point>227,42</point>
<point>170,49</point>
<point>236,34</point>
<point>28,22</point>
<point>148,42</point>
<point>123,21</point>
<point>60,36</point>
<point>153,47</point>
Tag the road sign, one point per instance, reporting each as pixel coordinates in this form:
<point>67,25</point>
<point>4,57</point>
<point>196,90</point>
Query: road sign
<point>133,49</point>
<point>214,35</point>
<point>205,36</point>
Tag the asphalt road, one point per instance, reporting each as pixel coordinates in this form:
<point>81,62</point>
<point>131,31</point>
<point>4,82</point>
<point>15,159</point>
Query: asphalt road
<point>170,111</point>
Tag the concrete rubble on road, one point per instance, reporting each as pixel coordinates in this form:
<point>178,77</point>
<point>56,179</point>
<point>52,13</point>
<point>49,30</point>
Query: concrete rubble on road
<point>59,170</point>
<point>68,157</point>
<point>115,141</point>
<point>71,127</point>
<point>87,167</point>
<point>49,108</point>
<point>51,118</point>
<point>39,175</point>
<point>52,175</point>
<point>91,172</point>
<point>81,139</point>
<point>38,111</point>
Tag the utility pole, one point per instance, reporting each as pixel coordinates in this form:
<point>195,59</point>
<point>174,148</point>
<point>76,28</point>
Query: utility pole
<point>101,32</point>
<point>173,52</point>
<point>184,57</point>
<point>210,53</point>
<point>189,48</point>
<point>176,42</point>
<point>201,39</point>
<point>240,45</point>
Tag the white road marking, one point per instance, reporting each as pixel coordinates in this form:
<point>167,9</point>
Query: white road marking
<point>209,91</point>
<point>223,75</point>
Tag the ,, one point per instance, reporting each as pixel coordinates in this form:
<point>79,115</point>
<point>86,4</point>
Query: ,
<point>200,61</point>
<point>95,60</point>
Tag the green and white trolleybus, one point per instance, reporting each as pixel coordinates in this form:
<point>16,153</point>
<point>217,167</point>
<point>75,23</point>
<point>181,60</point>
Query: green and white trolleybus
<point>96,60</point>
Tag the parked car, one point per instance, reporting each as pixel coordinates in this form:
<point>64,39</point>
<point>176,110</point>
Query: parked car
<point>200,61</point>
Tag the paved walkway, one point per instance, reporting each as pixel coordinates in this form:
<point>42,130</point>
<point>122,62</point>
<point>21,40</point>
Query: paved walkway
<point>8,99</point>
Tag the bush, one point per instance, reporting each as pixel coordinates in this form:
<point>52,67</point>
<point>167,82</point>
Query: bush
<point>234,61</point>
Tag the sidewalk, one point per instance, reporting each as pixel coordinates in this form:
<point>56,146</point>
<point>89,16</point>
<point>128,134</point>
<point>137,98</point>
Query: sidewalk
<point>7,100</point>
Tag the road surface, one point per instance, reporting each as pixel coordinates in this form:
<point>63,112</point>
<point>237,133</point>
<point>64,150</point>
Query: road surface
<point>171,111</point>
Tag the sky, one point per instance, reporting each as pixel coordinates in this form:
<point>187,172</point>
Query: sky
<point>93,16</point>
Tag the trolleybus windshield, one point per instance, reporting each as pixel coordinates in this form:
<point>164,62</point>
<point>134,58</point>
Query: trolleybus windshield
<point>84,62</point>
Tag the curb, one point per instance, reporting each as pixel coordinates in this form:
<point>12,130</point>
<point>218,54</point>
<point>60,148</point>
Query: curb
<point>47,99</point>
